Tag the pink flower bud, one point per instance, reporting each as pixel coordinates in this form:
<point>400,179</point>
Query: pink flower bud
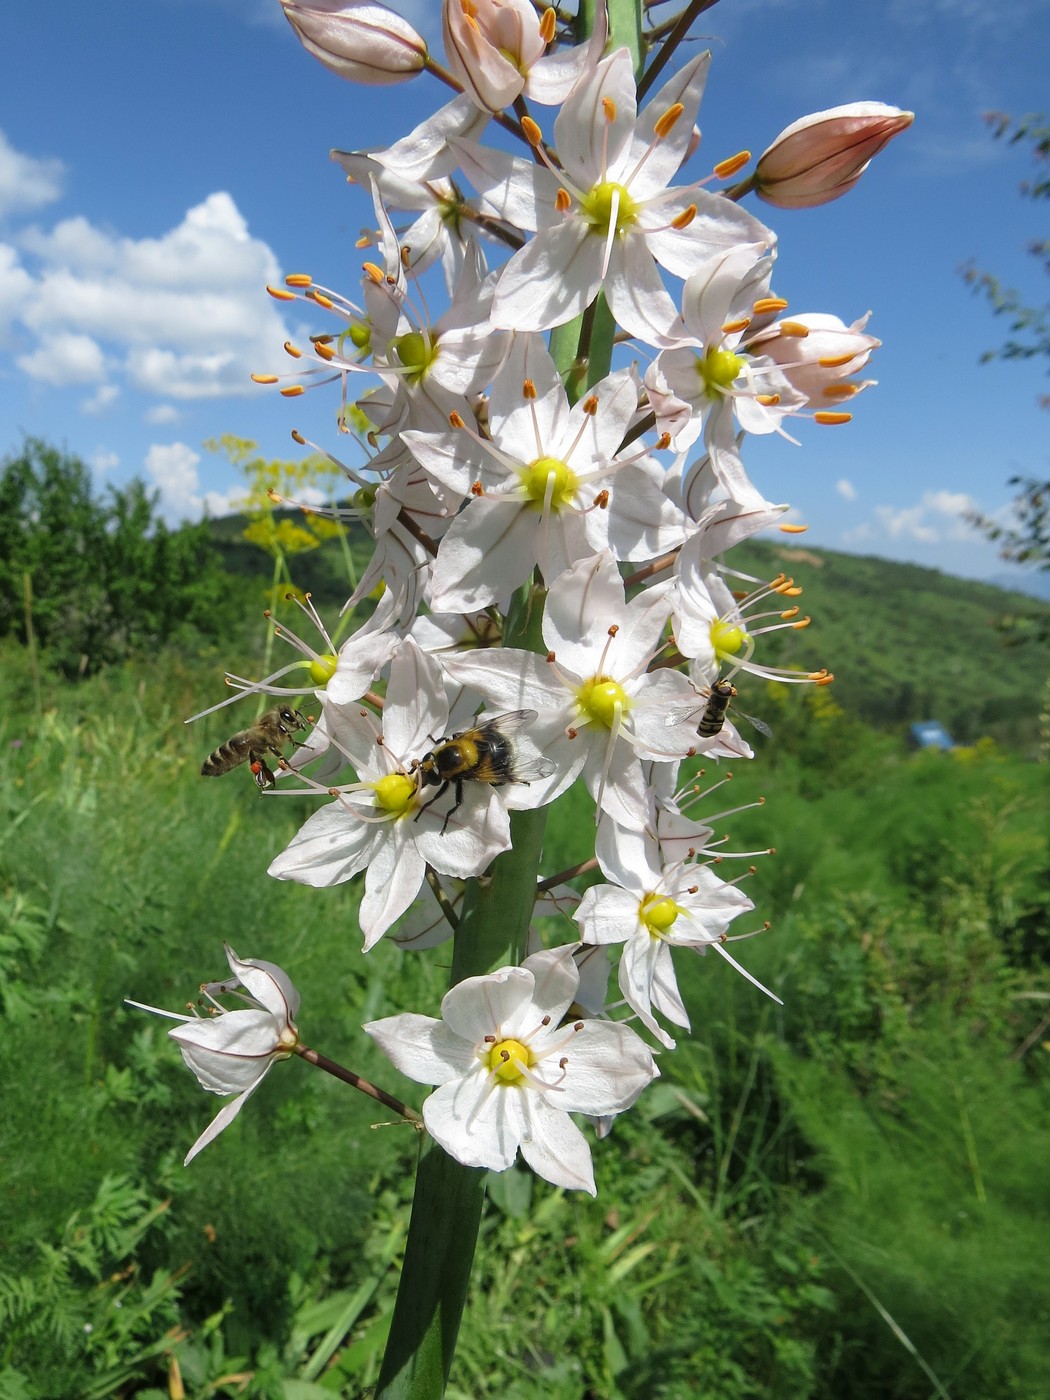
<point>362,41</point>
<point>820,157</point>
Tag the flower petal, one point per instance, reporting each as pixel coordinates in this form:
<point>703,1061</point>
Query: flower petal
<point>423,1048</point>
<point>556,1149</point>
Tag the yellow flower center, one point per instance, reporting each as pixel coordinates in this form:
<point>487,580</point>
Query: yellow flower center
<point>394,793</point>
<point>599,697</point>
<point>727,638</point>
<point>718,369</point>
<point>507,1059</point>
<point>658,913</point>
<point>323,669</point>
<point>597,207</point>
<point>563,482</point>
<point>416,352</point>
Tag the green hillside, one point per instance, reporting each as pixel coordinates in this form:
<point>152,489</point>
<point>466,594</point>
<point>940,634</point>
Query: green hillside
<point>908,643</point>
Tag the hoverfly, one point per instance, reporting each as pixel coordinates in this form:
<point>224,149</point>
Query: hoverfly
<point>715,712</point>
<point>483,754</point>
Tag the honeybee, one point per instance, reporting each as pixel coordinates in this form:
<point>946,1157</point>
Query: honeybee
<point>266,735</point>
<point>713,718</point>
<point>485,754</point>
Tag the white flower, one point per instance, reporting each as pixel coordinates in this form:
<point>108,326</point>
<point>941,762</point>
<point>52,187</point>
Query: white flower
<point>509,1073</point>
<point>709,380</point>
<point>413,174</point>
<point>716,627</point>
<point>651,908</point>
<point>550,489</point>
<point>383,823</point>
<point>231,1052</point>
<point>599,707</point>
<point>818,353</point>
<point>498,49</point>
<point>608,215</point>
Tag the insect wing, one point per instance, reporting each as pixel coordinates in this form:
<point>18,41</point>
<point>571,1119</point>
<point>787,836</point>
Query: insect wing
<point>530,769</point>
<point>681,714</point>
<point>508,723</point>
<point>759,724</point>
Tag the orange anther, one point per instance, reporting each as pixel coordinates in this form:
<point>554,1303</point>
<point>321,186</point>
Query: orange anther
<point>665,123</point>
<point>725,168</point>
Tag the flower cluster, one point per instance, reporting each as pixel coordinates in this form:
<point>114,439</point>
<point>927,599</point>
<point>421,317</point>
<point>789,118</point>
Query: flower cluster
<point>594,484</point>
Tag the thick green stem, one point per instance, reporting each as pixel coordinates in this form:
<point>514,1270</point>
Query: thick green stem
<point>442,1233</point>
<point>446,1209</point>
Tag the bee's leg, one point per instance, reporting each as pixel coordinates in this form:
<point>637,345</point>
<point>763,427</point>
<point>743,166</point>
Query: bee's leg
<point>261,771</point>
<point>457,804</point>
<point>440,793</point>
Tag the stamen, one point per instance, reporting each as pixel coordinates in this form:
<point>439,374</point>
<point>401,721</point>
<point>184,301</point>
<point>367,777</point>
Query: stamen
<point>532,133</point>
<point>831,420</point>
<point>731,165</point>
<point>665,123</point>
<point>279,294</point>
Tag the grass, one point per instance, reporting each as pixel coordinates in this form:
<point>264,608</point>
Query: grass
<point>843,1197</point>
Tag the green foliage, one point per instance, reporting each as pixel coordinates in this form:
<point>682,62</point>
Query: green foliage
<point>842,1197</point>
<point>94,581</point>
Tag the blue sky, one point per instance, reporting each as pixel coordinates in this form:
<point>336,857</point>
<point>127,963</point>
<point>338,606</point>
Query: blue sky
<point>160,162</point>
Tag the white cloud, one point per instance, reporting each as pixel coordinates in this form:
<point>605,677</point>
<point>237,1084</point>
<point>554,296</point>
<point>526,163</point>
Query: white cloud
<point>172,469</point>
<point>846,489</point>
<point>162,413</point>
<point>16,286</point>
<point>185,313</point>
<point>938,517</point>
<point>27,182</point>
<point>906,522</point>
<point>949,502</point>
<point>103,462</point>
<point>65,358</point>
<point>105,396</point>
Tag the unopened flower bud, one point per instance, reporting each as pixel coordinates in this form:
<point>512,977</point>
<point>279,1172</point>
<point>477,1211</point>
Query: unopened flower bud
<point>820,157</point>
<point>362,41</point>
